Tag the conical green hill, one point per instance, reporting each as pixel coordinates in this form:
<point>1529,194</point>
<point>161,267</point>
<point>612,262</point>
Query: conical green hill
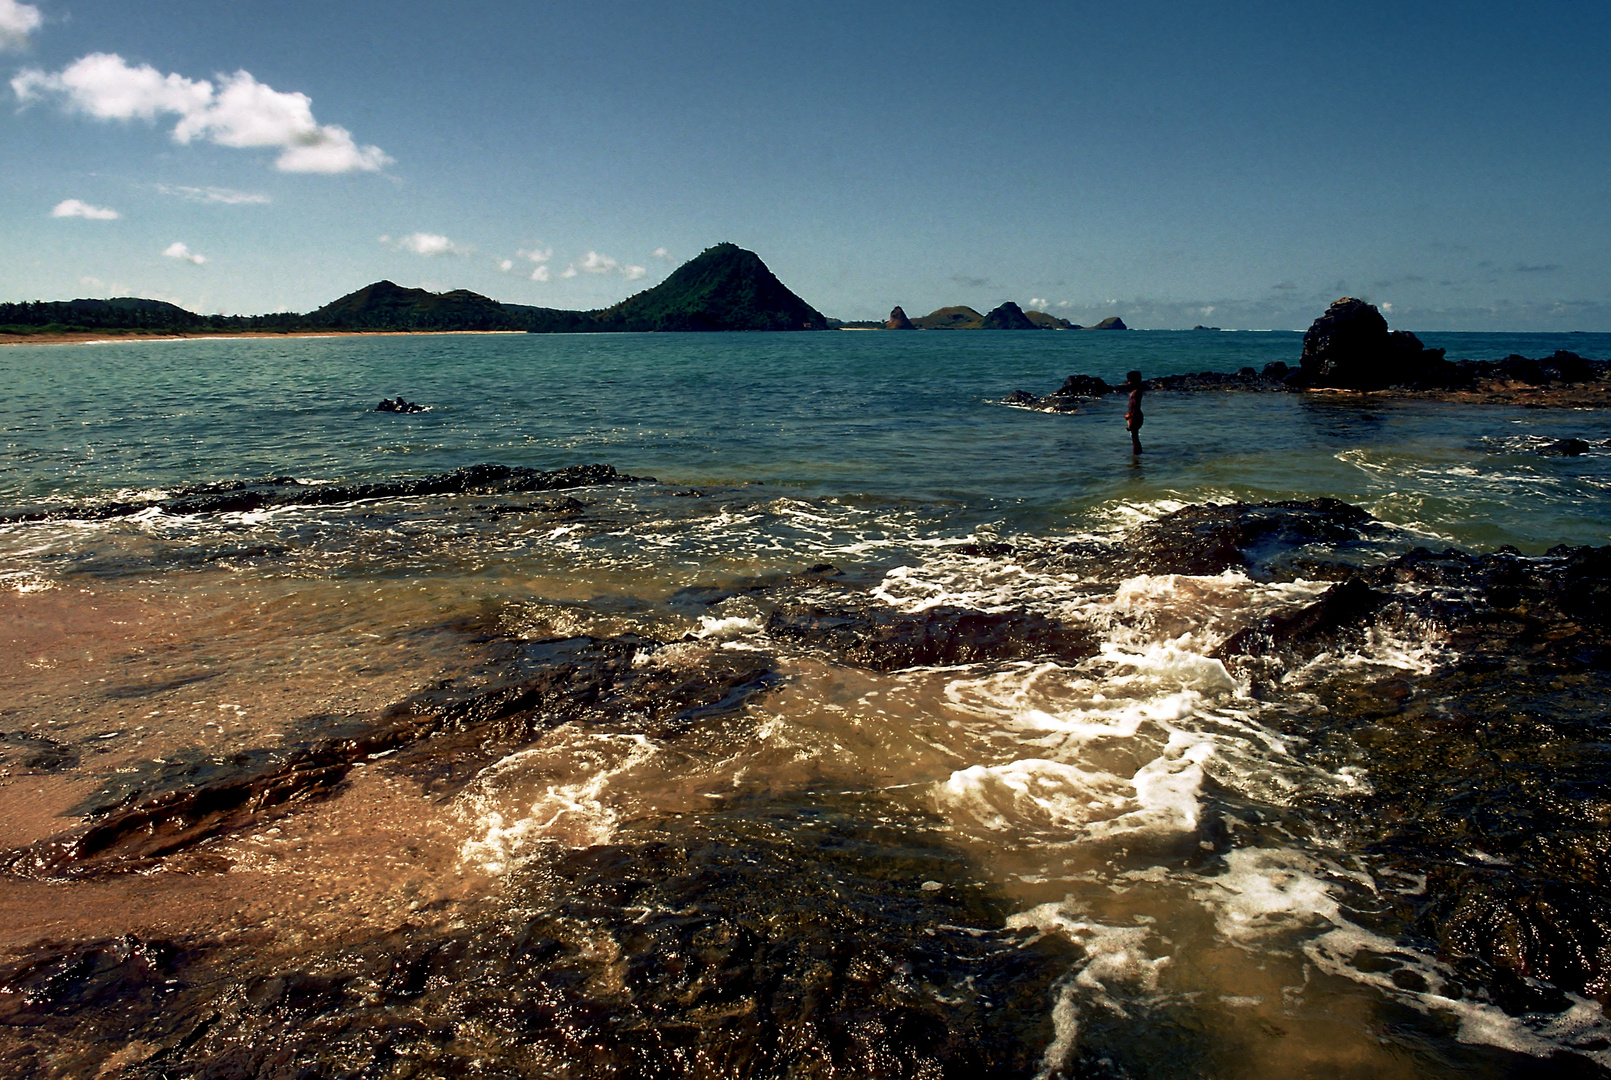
<point>724,288</point>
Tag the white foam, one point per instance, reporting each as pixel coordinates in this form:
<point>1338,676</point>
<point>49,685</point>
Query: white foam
<point>505,828</point>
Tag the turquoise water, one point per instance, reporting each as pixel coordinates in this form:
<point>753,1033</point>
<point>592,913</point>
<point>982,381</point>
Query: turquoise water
<point>886,416</point>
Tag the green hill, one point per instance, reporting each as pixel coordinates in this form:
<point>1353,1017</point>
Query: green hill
<point>1049,322</point>
<point>387,306</point>
<point>950,318</point>
<point>723,288</point>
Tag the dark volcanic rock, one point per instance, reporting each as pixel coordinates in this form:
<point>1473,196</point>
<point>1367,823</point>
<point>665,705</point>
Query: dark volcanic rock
<point>456,727</point>
<point>398,405</point>
<point>246,495</point>
<point>1565,448</point>
<point>1344,608</point>
<point>767,938</point>
<point>1264,539</point>
<point>1009,316</point>
<point>1349,347</point>
<point>884,639</point>
<point>1112,322</point>
<point>898,321</point>
<point>1085,386</point>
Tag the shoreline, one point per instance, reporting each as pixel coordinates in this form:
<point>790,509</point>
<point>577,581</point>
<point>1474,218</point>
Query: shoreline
<point>75,338</point>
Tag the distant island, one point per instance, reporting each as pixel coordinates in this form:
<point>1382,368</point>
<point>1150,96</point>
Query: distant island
<point>724,288</point>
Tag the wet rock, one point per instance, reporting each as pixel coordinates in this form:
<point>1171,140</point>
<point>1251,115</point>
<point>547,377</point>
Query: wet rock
<point>1267,540</point>
<point>1276,369</point>
<point>766,938</point>
<point>1344,608</point>
<point>1349,347</point>
<point>1565,448</point>
<point>247,495</point>
<point>898,321</point>
<point>398,405</point>
<point>441,736</point>
<point>1009,316</point>
<point>885,639</point>
<point>1083,386</point>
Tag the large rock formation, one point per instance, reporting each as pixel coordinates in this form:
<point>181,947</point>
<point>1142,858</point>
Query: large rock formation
<point>1350,347</point>
<point>1112,322</point>
<point>898,321</point>
<point>1009,316</point>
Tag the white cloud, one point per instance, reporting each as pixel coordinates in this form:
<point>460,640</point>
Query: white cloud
<point>80,209</point>
<point>506,265</point>
<point>177,250</point>
<point>17,21</point>
<point>540,273</point>
<point>92,282</point>
<point>1039,303</point>
<point>660,253</point>
<point>218,195</point>
<point>594,263</point>
<point>428,244</point>
<point>240,112</point>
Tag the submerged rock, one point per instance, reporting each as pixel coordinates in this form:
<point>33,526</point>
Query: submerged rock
<point>246,495</point>
<point>885,639</point>
<point>1264,539</point>
<point>1565,448</point>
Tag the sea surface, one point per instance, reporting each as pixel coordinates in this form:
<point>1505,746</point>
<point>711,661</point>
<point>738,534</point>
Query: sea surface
<point>693,811</point>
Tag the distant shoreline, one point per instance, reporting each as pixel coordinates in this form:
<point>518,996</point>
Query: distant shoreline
<point>87,338</point>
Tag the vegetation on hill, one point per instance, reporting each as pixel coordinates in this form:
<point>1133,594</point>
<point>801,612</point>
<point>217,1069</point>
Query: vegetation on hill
<point>950,318</point>
<point>724,288</point>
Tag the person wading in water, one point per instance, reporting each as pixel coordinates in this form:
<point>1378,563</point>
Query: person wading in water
<point>1132,415</point>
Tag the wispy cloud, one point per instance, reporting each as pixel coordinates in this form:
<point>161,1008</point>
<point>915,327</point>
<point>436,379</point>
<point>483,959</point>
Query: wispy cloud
<point>216,195</point>
<point>660,253</point>
<point>427,244</point>
<point>1546,268</point>
<point>239,112</point>
<point>970,282</point>
<point>77,208</point>
<point>17,21</point>
<point>177,250</point>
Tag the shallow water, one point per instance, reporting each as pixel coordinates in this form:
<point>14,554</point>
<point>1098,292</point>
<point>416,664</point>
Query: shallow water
<point>740,850</point>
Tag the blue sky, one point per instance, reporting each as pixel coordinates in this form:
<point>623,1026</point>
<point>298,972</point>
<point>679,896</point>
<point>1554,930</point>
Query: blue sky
<point>1235,165</point>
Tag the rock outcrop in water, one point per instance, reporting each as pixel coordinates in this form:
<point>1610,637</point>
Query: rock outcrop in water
<point>885,639</point>
<point>898,321</point>
<point>399,405</point>
<point>237,496</point>
<point>1349,347</point>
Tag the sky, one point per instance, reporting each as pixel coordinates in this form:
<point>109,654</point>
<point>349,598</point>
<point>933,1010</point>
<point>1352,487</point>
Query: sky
<point>1175,164</point>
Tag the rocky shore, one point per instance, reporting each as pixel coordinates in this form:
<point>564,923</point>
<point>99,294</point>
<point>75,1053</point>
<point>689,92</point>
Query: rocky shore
<point>830,932</point>
<point>1349,349</point>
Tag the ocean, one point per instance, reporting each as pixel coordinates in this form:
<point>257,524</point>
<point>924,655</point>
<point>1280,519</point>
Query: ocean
<point>860,725</point>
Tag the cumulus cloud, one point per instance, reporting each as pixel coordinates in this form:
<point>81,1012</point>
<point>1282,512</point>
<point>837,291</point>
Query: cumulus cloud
<point>660,253</point>
<point>177,250</point>
<point>239,112</point>
<point>427,244</point>
<point>216,195</point>
<point>80,209</point>
<point>541,273</point>
<point>17,21</point>
<point>1039,303</point>
<point>594,263</point>
<point>506,265</point>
